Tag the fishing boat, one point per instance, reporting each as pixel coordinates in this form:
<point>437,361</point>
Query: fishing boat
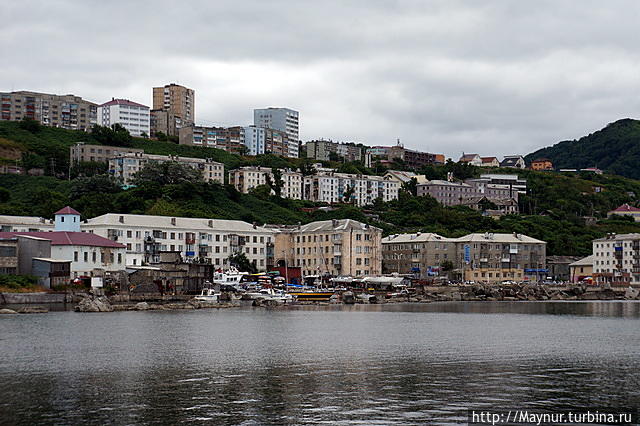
<point>310,294</point>
<point>208,295</point>
<point>230,277</point>
<point>270,293</point>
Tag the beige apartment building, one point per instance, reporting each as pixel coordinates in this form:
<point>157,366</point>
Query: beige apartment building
<point>81,152</point>
<point>330,187</point>
<point>246,178</point>
<point>420,254</point>
<point>64,111</point>
<point>125,166</point>
<point>179,106</point>
<point>330,248</point>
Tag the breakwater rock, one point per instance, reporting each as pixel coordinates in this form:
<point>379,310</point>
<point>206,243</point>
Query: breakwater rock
<point>94,304</point>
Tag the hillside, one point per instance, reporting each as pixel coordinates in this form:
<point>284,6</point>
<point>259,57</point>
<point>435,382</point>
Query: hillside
<point>614,149</point>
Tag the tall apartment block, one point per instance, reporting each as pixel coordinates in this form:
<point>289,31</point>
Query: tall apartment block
<point>131,115</point>
<point>282,119</point>
<point>174,106</point>
<point>64,111</point>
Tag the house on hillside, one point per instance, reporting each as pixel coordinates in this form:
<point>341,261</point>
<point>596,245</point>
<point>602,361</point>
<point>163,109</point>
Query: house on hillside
<point>472,159</point>
<point>513,162</point>
<point>541,164</point>
<point>489,162</point>
<point>626,210</point>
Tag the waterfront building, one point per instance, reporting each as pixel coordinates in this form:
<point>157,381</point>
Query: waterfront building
<point>174,106</point>
<point>493,258</point>
<point>625,210</point>
<point>560,267</point>
<point>131,115</point>
<point>616,260</point>
<point>362,190</point>
<point>124,166</point>
<point>582,269</point>
<point>421,254</point>
<point>283,119</point>
<point>206,240</point>
<point>64,111</point>
<point>513,162</point>
<point>88,254</point>
<point>330,248</point>
<point>321,150</point>
<point>81,152</point>
<point>30,255</point>
<point>245,179</point>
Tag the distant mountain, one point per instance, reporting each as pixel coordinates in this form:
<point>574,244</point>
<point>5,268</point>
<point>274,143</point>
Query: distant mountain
<point>614,149</point>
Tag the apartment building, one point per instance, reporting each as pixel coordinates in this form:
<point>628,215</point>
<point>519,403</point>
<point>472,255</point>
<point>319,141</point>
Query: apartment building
<point>227,138</point>
<point>494,258</point>
<point>321,150</point>
<point>81,152</point>
<point>330,248</point>
<point>208,240</point>
<point>25,224</point>
<point>179,106</point>
<point>616,260</point>
<point>420,254</point>
<point>64,111</point>
<point>254,140</point>
<point>245,179</point>
<point>131,115</point>
<point>330,187</point>
<point>124,166</point>
<point>411,158</point>
<point>511,181</point>
<point>283,119</point>
<point>161,121</point>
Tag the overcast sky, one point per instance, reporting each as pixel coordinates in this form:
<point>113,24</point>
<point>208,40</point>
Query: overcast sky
<point>493,77</point>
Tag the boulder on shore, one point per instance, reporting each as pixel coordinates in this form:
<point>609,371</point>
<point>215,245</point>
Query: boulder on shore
<point>33,310</point>
<point>7,311</point>
<point>94,304</point>
<point>142,306</point>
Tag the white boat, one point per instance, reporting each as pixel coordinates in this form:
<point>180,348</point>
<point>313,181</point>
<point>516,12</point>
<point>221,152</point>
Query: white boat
<point>208,295</point>
<point>231,277</point>
<point>270,293</point>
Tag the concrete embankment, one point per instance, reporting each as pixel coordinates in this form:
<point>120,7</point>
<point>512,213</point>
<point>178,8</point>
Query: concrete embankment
<point>35,298</point>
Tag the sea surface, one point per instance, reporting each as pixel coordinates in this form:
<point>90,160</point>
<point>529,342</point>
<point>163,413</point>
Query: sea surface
<point>363,364</point>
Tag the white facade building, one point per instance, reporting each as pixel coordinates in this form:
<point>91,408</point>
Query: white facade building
<point>254,139</point>
<point>246,178</point>
<point>616,259</point>
<point>332,187</point>
<point>131,115</point>
<point>125,165</point>
<point>210,240</point>
<point>283,119</point>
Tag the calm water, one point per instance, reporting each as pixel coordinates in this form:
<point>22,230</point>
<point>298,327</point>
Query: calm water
<point>403,364</point>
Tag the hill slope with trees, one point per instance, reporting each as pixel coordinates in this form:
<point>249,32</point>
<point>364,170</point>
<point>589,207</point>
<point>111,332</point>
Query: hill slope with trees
<point>614,149</point>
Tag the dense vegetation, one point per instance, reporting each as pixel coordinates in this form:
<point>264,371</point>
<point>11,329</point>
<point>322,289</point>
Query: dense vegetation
<point>614,149</point>
<point>555,209</point>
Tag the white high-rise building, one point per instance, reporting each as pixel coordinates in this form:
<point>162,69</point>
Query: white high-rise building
<point>254,139</point>
<point>131,115</point>
<point>283,119</point>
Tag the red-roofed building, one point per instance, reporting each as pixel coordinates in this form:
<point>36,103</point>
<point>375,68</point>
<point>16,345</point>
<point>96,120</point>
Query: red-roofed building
<point>626,210</point>
<point>88,253</point>
<point>489,162</point>
<point>131,115</point>
<point>67,210</point>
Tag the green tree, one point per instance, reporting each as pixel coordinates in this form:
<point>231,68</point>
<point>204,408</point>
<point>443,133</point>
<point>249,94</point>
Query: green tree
<point>167,173</point>
<point>275,181</point>
<point>31,160</point>
<point>5,195</point>
<point>261,191</point>
<point>30,125</point>
<point>411,186</point>
<point>116,135</point>
<point>242,263</point>
<point>97,184</point>
<point>348,194</point>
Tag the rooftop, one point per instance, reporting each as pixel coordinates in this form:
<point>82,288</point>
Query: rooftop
<point>196,224</point>
<point>413,238</point>
<point>498,238</point>
<point>114,101</point>
<point>67,210</point>
<point>585,261</point>
<point>58,238</point>
<point>626,208</point>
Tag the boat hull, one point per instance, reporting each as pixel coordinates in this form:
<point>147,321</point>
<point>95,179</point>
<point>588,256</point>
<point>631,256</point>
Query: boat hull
<point>312,295</point>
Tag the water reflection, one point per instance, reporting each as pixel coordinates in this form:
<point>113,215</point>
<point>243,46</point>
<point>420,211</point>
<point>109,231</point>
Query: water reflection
<point>371,364</point>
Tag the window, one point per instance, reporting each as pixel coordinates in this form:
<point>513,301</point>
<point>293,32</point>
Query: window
<point>86,256</point>
<point>75,256</point>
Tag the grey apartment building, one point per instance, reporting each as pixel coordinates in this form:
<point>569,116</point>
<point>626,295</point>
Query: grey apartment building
<point>64,111</point>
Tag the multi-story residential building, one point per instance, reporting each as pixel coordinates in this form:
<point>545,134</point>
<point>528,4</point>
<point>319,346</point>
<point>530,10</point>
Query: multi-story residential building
<point>511,181</point>
<point>245,179</point>
<point>445,192</point>
<point>226,138</point>
<point>362,190</point>
<point>81,152</point>
<point>25,224</point>
<point>65,111</point>
<point>420,254</point>
<point>474,193</point>
<point>330,248</point>
<point>254,140</point>
<point>513,162</point>
<point>283,119</point>
<point>321,150</point>
<point>88,254</point>
<point>207,240</point>
<point>411,158</point>
<point>179,106</point>
<point>131,115</point>
<point>125,166</point>
<point>616,260</point>
<point>494,258</point>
